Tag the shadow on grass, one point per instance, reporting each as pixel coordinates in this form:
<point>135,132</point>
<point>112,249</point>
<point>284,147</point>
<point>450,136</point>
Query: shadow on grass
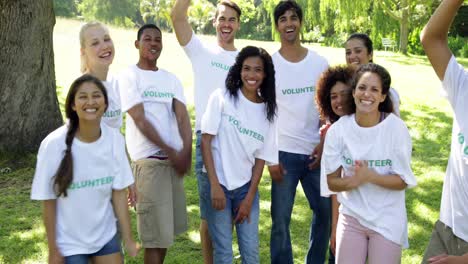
<point>405,59</point>
<point>431,132</point>
<point>19,217</point>
<point>411,59</point>
<point>422,203</point>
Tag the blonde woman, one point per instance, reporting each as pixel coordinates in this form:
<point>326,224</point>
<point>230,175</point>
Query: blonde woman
<point>97,53</point>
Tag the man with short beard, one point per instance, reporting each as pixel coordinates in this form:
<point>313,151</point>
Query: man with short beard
<point>210,64</point>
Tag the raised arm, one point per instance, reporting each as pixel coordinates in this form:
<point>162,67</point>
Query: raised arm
<point>434,35</point>
<point>179,18</point>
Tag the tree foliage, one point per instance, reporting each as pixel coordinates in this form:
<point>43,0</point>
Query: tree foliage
<point>330,21</point>
<point>380,18</point>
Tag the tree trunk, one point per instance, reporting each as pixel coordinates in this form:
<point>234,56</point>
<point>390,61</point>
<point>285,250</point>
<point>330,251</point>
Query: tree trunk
<point>404,27</point>
<point>28,101</point>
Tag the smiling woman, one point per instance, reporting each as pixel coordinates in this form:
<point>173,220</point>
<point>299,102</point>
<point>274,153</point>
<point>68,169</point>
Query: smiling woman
<point>97,54</point>
<point>366,161</point>
<point>76,166</point>
<point>238,125</point>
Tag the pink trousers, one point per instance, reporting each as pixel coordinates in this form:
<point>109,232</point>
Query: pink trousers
<point>355,244</point>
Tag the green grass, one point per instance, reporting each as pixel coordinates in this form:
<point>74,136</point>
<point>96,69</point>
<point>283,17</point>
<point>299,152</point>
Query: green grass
<point>428,116</point>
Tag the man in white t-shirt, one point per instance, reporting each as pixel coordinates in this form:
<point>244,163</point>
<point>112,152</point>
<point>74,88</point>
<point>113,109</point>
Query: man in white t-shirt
<point>297,70</point>
<point>157,120</point>
<point>449,241</point>
<point>210,64</point>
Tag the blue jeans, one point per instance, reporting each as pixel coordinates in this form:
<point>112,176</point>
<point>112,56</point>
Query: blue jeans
<point>202,179</point>
<point>282,202</point>
<point>111,247</point>
<point>220,227</point>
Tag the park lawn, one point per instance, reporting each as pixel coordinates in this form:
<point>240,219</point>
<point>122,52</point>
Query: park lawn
<point>427,115</point>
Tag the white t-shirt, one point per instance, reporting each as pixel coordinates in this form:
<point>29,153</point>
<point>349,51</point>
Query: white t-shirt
<point>113,115</point>
<point>454,204</point>
<point>242,133</point>
<point>85,219</point>
<point>387,148</point>
<point>156,90</point>
<point>298,116</point>
<point>210,65</point>
<point>395,100</point>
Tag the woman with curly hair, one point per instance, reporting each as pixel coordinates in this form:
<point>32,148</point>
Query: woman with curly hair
<point>238,137</point>
<point>332,96</point>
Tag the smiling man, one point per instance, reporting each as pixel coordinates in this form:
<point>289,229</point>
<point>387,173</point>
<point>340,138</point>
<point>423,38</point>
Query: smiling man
<point>297,70</point>
<point>154,101</point>
<point>210,64</point>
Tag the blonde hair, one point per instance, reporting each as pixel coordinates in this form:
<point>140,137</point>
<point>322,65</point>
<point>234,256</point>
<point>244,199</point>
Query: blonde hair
<point>83,29</point>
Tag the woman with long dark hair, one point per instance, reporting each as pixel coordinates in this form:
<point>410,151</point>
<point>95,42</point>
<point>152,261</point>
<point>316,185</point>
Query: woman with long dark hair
<point>367,161</point>
<point>238,137</point>
<point>81,175</point>
<point>359,50</point>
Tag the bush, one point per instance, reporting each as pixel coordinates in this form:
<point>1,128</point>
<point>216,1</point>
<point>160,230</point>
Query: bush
<point>414,44</point>
<point>464,51</point>
<point>458,45</point>
<point>336,40</point>
<point>65,8</point>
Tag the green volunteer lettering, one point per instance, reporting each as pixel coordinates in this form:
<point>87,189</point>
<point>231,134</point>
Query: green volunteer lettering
<point>220,65</point>
<point>243,130</point>
<point>158,94</point>
<point>113,113</point>
<point>302,90</point>
<point>461,138</point>
<point>371,163</point>
<point>91,183</point>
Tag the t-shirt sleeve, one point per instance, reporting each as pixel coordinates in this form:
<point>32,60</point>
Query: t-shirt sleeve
<point>129,93</point>
<point>194,47</point>
<point>179,91</point>
<point>212,117</point>
<point>269,151</point>
<point>453,82</point>
<point>401,156</point>
<point>123,173</point>
<point>331,158</point>
<point>48,161</point>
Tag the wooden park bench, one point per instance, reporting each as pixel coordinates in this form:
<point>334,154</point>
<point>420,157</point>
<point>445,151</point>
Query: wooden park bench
<point>388,43</point>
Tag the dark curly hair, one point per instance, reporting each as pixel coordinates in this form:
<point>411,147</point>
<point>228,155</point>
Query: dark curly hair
<point>267,88</point>
<point>386,106</point>
<point>328,79</point>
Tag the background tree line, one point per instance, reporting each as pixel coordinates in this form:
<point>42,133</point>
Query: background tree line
<point>326,21</point>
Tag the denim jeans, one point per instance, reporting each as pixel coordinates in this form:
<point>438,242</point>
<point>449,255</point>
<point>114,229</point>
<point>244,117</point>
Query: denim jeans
<point>111,247</point>
<point>202,179</point>
<point>220,227</point>
<point>282,202</point>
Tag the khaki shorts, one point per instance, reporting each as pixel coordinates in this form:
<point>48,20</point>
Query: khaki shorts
<point>161,208</point>
<point>443,241</point>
